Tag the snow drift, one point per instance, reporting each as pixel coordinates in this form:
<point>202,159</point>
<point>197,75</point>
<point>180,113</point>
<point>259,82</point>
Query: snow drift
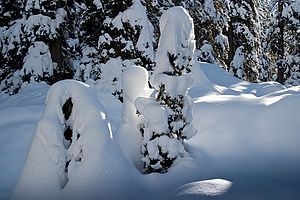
<point>72,155</point>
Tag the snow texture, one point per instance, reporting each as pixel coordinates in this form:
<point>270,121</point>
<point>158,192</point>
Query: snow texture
<point>214,187</point>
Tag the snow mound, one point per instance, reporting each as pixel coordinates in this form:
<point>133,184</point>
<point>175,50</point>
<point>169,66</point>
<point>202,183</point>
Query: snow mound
<point>72,155</point>
<point>213,187</point>
<point>135,84</point>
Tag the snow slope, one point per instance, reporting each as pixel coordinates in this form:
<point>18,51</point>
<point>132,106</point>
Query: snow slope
<point>247,147</point>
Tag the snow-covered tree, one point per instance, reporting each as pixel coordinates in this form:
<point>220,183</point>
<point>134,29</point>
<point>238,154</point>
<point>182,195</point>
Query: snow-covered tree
<point>125,35</point>
<point>243,31</point>
<point>155,9</point>
<point>168,119</point>
<point>69,148</point>
<point>237,63</point>
<point>206,53</point>
<point>38,64</point>
<point>210,19</point>
<point>40,22</point>
<point>44,7</point>
<point>91,17</point>
<point>10,10</point>
<point>283,41</point>
<point>264,19</point>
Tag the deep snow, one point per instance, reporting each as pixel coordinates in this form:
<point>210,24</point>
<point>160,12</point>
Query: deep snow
<point>247,144</point>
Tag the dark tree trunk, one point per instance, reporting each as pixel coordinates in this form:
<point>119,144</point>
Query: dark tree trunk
<point>62,70</point>
<point>231,51</point>
<point>280,62</point>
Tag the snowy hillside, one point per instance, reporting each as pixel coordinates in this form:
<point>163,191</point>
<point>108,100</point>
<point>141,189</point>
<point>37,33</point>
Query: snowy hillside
<point>247,146</point>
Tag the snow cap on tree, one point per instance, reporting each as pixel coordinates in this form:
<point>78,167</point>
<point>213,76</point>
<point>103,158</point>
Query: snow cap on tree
<point>237,64</point>
<point>168,119</point>
<point>176,44</point>
<point>38,63</point>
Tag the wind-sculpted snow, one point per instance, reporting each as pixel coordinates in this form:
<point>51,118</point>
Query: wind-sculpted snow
<point>88,165</point>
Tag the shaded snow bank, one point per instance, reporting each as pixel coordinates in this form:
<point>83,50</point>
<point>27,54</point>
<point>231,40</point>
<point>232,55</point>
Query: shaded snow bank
<point>249,134</point>
<point>72,155</point>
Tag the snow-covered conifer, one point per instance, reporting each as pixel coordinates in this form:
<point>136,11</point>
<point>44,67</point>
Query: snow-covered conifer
<point>125,35</point>
<point>210,18</point>
<point>91,21</point>
<point>206,53</point>
<point>168,119</point>
<point>264,19</point>
<point>283,42</point>
<point>243,31</point>
<point>71,145</point>
<point>237,64</point>
<point>10,10</point>
<point>135,85</point>
<point>38,64</point>
<point>40,22</point>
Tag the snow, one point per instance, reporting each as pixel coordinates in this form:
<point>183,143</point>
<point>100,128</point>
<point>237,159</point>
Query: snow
<point>177,38</point>
<point>46,174</point>
<point>237,64</point>
<point>247,146</point>
<point>136,16</point>
<point>135,84</point>
<point>212,187</point>
<point>98,3</point>
<point>40,25</point>
<point>38,61</point>
<point>207,53</point>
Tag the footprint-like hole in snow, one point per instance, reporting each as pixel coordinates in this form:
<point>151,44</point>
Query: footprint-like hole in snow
<point>213,187</point>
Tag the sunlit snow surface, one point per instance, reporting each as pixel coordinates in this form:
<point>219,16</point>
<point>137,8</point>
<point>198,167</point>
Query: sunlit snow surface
<point>248,135</point>
<point>213,187</point>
